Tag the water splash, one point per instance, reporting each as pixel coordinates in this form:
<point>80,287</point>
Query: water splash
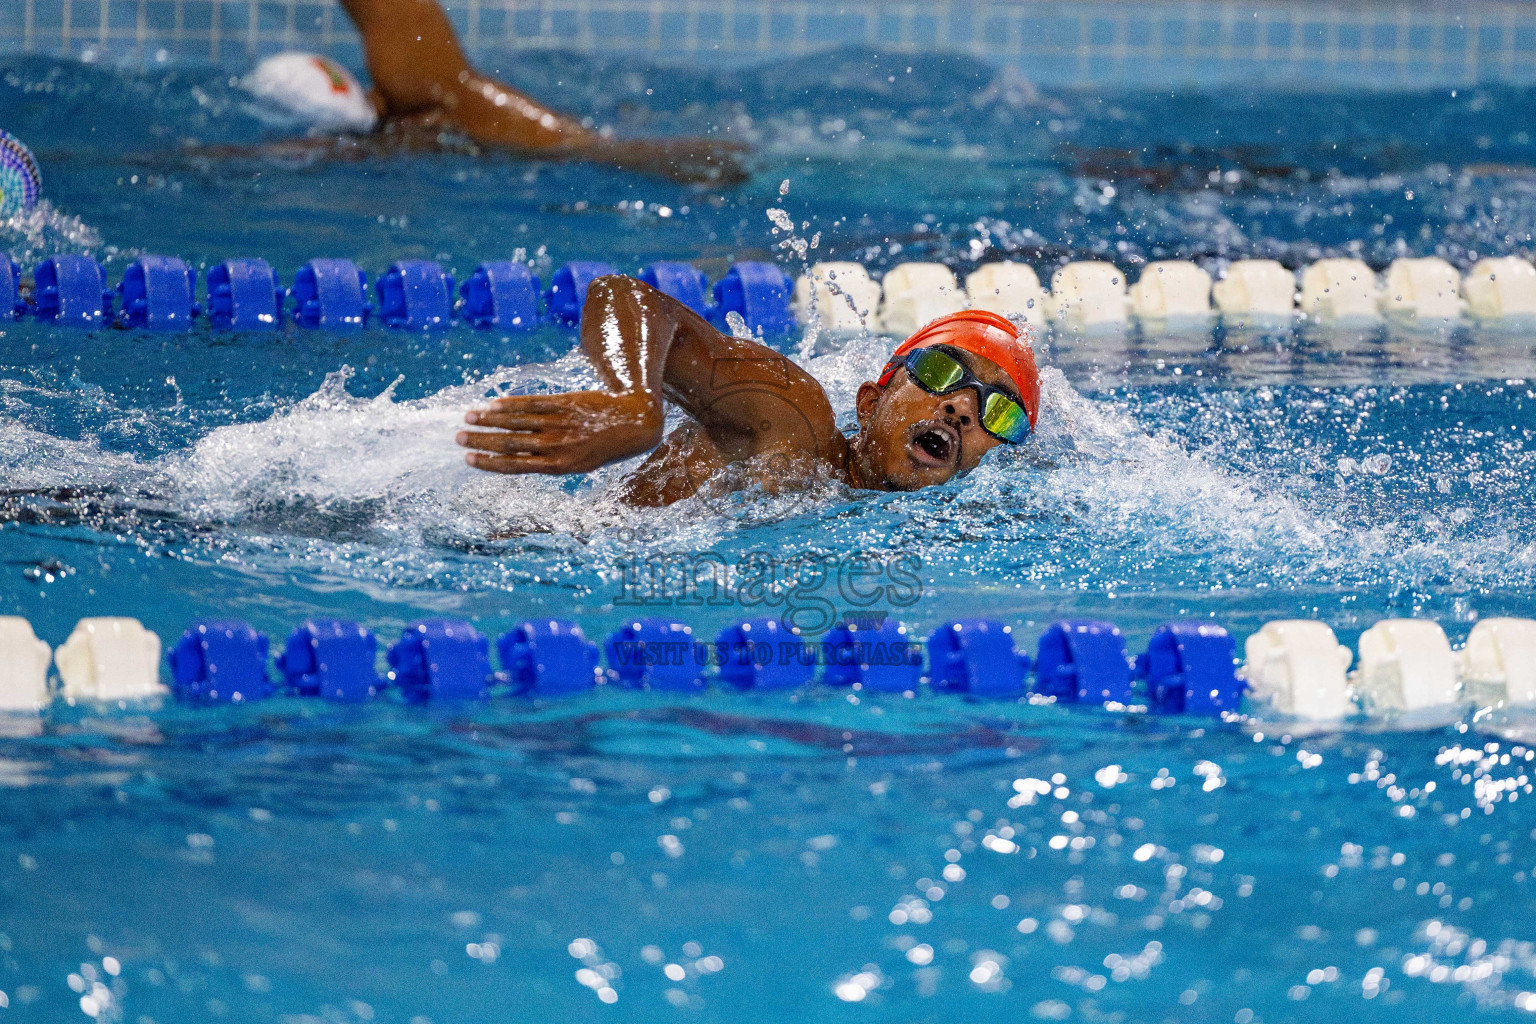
<point>44,230</point>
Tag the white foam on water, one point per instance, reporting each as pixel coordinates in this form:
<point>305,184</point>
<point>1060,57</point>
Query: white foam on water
<point>31,236</point>
<point>330,448</point>
<point>32,459</point>
<point>1135,483</point>
<point>391,463</point>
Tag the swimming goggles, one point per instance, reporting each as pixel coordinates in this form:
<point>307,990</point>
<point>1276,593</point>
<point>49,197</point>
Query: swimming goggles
<point>939,371</point>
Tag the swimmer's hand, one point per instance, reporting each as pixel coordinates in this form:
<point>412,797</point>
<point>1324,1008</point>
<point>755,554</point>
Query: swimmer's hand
<point>570,433</point>
<point>693,161</point>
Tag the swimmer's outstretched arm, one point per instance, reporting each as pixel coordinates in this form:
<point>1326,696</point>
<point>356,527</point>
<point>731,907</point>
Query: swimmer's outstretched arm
<point>648,348</point>
<point>420,71</point>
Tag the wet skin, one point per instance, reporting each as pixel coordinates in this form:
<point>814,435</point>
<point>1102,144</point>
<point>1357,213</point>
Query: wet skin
<point>755,418</point>
<point>423,85</point>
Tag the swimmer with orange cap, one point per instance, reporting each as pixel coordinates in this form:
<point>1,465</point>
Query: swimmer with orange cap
<point>959,387</point>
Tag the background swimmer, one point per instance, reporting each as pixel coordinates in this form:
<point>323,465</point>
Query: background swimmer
<point>951,393</point>
<point>424,91</point>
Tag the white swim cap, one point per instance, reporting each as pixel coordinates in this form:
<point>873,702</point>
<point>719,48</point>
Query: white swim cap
<point>314,89</point>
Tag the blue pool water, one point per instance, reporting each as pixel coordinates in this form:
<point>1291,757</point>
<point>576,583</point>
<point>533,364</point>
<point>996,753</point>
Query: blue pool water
<point>746,858</point>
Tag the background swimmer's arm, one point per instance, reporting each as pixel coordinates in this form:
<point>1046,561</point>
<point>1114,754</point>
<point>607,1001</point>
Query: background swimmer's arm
<point>420,71</point>
<point>648,347</point>
<point>418,68</point>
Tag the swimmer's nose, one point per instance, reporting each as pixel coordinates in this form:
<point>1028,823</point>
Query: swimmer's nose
<point>960,408</point>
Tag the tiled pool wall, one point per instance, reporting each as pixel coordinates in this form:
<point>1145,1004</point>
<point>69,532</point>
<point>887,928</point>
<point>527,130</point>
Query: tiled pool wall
<point>1300,44</point>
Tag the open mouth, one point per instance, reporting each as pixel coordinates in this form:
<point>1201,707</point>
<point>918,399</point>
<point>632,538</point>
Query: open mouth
<point>933,443</point>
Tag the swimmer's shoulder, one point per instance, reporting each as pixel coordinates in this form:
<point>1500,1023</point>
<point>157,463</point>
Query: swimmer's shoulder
<point>791,408</point>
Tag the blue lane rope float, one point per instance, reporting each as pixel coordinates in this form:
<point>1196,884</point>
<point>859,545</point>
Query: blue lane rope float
<point>1084,662</point>
<point>568,290</point>
<point>21,182</point>
<point>549,657</point>
<point>1189,668</point>
<point>415,295</point>
<point>333,659</point>
<point>759,293</point>
<point>330,293</point>
<point>656,654</point>
<point>220,662</point>
<point>442,659</point>
<point>683,281</point>
<point>878,657</point>
<point>502,295</point>
<point>70,289</point>
<point>157,293</point>
<point>976,656</point>
<point>765,654</point>
<point>244,295</point>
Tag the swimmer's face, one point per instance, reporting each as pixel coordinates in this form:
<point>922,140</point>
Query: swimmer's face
<point>909,438</point>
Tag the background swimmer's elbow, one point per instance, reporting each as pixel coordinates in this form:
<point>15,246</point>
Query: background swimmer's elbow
<point>418,68</point>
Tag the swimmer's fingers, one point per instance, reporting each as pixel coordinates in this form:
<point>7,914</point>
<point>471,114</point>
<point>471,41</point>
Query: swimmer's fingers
<point>514,463</point>
<point>531,404</point>
<point>518,419</point>
<point>502,452</point>
<point>520,442</point>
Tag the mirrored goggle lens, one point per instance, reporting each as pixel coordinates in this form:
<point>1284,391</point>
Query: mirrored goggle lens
<point>936,371</point>
<point>1005,419</point>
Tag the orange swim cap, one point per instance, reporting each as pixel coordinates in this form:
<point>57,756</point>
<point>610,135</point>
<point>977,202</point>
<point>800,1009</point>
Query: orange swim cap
<point>991,336</point>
